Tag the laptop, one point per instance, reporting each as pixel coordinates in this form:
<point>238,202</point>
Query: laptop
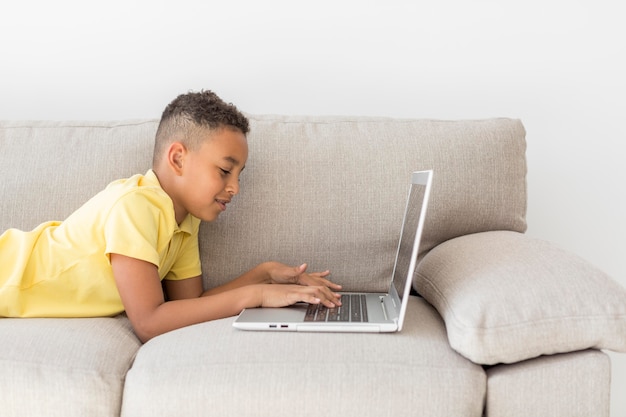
<point>359,312</point>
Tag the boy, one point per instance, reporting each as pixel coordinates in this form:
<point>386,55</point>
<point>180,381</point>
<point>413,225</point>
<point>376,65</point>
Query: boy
<point>113,253</point>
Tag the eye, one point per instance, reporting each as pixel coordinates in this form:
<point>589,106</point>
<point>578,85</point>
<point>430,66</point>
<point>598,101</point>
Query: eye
<point>225,171</point>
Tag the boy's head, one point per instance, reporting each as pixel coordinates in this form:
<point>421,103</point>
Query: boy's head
<point>200,151</point>
<point>193,113</point>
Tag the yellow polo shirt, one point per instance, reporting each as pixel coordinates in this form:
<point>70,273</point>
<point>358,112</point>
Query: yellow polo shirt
<point>63,269</point>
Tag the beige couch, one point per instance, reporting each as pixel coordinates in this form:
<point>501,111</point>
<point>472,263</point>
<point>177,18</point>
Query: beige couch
<point>505,325</point>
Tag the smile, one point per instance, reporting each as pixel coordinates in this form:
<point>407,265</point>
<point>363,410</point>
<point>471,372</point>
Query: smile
<point>222,204</point>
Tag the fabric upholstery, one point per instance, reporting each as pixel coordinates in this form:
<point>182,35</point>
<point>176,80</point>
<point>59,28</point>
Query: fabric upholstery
<point>64,367</point>
<point>321,190</point>
<point>506,297</point>
<point>238,373</point>
<point>54,167</point>
<point>331,192</point>
<point>574,384</point>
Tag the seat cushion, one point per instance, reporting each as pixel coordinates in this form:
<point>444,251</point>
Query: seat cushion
<point>569,384</point>
<point>240,373</point>
<point>64,367</point>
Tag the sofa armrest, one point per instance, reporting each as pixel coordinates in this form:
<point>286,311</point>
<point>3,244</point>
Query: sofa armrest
<point>506,297</point>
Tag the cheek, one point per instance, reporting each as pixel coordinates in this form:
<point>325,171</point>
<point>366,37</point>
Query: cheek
<point>211,185</point>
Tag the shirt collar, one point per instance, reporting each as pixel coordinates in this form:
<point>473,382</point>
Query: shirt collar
<point>189,224</point>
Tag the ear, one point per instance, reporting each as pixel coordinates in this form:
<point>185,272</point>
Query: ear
<point>176,154</point>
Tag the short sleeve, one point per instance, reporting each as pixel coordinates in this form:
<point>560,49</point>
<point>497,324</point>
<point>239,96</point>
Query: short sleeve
<point>133,226</point>
<point>187,263</point>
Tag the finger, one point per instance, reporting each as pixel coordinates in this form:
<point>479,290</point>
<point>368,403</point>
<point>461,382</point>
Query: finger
<point>300,269</point>
<point>329,298</point>
<point>330,284</point>
<point>313,280</point>
<point>298,273</point>
<point>305,297</point>
<point>317,295</point>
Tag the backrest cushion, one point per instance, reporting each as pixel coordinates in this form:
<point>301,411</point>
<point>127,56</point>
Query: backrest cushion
<point>50,168</point>
<point>329,191</point>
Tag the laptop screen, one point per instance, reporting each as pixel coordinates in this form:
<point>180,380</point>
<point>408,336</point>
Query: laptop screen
<point>411,232</point>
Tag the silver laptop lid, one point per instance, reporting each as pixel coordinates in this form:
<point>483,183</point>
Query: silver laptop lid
<point>410,236</point>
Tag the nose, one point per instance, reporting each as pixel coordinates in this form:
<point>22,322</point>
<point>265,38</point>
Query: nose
<point>232,187</point>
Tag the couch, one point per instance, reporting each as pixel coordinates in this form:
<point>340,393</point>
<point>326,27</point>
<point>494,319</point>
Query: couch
<point>499,324</point>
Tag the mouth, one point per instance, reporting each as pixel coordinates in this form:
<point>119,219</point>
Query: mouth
<point>222,203</point>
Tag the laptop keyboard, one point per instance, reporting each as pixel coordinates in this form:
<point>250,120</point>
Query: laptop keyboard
<point>353,309</point>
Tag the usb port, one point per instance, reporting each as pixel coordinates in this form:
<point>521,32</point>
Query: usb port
<point>272,326</point>
<point>284,326</point>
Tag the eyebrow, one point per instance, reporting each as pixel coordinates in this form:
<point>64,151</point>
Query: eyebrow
<point>233,161</point>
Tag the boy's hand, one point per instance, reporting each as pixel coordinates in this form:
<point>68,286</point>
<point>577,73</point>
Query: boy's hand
<point>283,274</point>
<point>285,295</point>
<point>317,289</point>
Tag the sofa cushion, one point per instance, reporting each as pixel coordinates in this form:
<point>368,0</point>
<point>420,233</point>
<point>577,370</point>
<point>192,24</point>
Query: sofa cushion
<point>331,191</point>
<point>50,168</point>
<point>213,368</point>
<point>569,384</point>
<point>64,367</point>
<point>506,297</point>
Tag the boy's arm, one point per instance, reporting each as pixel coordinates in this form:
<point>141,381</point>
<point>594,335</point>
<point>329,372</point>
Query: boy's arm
<point>140,289</point>
<point>192,287</point>
<point>265,273</point>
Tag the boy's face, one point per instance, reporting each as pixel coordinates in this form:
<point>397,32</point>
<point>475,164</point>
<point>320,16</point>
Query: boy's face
<point>210,175</point>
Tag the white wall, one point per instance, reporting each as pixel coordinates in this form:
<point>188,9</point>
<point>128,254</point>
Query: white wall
<point>557,65</point>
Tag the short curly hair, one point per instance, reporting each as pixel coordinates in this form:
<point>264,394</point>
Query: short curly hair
<point>188,113</point>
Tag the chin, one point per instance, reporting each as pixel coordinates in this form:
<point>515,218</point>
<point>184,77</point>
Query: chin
<point>209,217</point>
<point>209,214</point>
